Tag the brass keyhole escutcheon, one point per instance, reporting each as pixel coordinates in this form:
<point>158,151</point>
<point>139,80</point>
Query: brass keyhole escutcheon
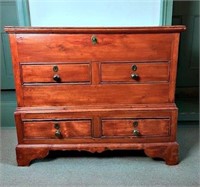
<point>94,39</point>
<point>135,123</point>
<point>134,67</point>
<point>56,126</point>
<point>55,68</point>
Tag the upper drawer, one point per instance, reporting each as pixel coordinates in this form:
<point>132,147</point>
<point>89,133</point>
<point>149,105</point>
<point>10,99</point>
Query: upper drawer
<point>63,73</point>
<point>62,47</point>
<point>134,72</point>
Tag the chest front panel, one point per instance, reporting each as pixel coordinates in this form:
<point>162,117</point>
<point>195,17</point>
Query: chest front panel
<point>95,69</point>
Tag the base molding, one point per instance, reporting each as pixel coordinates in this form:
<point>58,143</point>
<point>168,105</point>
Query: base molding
<point>166,151</point>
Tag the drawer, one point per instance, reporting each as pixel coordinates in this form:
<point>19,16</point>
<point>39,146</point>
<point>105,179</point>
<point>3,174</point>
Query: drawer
<point>135,72</point>
<point>52,73</point>
<point>57,129</point>
<point>62,47</point>
<point>136,127</point>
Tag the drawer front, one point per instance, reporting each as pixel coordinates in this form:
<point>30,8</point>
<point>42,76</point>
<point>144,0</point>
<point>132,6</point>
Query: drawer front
<point>105,94</point>
<point>62,47</point>
<point>134,72</point>
<point>57,130</point>
<point>53,73</point>
<point>136,127</point>
<point>156,123</point>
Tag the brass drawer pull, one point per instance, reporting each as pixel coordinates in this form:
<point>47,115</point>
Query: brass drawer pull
<point>134,76</point>
<point>58,133</point>
<point>136,132</point>
<point>56,78</point>
<point>94,39</point>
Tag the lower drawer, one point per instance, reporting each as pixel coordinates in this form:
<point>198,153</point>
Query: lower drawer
<point>135,127</point>
<point>72,125</point>
<point>56,130</point>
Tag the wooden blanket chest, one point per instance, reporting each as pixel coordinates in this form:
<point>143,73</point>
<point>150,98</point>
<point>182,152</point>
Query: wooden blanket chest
<point>95,89</point>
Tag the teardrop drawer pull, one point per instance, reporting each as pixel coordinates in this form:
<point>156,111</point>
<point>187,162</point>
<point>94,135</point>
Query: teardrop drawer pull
<point>134,76</point>
<point>136,132</point>
<point>58,133</point>
<point>56,78</point>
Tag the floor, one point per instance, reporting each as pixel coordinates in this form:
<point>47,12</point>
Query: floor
<point>117,168</point>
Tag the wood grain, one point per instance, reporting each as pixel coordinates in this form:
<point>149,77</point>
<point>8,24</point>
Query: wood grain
<point>147,72</point>
<point>26,154</point>
<point>68,73</point>
<point>146,127</point>
<point>46,129</point>
<point>173,67</point>
<point>156,124</point>
<point>107,30</point>
<point>167,151</point>
<point>94,94</point>
<point>16,69</point>
<point>77,47</point>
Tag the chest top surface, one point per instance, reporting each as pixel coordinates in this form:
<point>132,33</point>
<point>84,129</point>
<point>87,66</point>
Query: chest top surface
<point>159,29</point>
